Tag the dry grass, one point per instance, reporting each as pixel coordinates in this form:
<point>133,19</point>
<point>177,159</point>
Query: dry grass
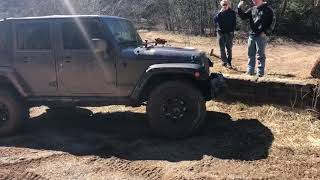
<point>294,129</point>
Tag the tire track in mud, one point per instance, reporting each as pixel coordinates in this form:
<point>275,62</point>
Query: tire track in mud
<point>24,163</point>
<point>17,170</point>
<point>25,175</point>
<point>134,168</point>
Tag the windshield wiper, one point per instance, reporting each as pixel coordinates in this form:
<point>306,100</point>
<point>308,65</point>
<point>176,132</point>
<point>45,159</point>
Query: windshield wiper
<point>128,43</point>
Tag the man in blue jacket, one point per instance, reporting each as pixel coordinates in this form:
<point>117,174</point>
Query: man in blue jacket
<point>261,19</point>
<point>225,23</point>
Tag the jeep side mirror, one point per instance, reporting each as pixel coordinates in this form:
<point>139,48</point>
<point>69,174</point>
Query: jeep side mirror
<point>99,45</point>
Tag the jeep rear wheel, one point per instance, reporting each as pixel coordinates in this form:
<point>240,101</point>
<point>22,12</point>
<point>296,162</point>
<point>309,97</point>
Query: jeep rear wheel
<point>176,109</point>
<point>12,113</point>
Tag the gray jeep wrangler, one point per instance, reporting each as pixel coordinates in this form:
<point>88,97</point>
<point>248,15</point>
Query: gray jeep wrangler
<point>69,61</point>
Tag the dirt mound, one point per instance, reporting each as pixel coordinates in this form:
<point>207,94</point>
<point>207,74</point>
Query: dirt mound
<point>266,90</point>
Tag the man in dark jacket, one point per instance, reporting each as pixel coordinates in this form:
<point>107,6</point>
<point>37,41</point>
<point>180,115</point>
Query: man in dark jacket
<point>261,18</point>
<point>225,22</point>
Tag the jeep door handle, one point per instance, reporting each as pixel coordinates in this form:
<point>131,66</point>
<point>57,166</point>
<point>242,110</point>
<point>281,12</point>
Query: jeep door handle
<point>26,59</point>
<point>67,59</point>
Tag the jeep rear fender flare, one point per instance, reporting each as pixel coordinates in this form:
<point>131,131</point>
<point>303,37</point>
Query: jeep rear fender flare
<point>185,69</point>
<point>10,77</point>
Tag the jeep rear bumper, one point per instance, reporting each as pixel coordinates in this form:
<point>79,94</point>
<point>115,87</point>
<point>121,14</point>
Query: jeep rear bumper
<point>217,85</point>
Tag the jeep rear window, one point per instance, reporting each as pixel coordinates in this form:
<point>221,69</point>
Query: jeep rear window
<point>33,36</point>
<point>4,37</point>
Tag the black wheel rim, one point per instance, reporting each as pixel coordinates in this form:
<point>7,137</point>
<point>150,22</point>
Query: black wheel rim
<point>4,114</point>
<point>175,109</point>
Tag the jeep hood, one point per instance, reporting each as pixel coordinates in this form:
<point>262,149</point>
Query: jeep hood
<point>159,53</point>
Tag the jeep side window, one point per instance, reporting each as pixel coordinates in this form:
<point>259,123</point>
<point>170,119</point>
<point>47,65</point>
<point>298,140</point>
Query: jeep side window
<point>123,31</point>
<point>33,36</point>
<point>77,37</point>
<point>4,37</point>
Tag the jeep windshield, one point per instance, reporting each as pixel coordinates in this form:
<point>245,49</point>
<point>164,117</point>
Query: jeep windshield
<point>124,32</point>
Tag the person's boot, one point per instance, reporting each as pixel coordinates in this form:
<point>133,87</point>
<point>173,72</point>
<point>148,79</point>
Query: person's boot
<point>249,73</point>
<point>229,66</point>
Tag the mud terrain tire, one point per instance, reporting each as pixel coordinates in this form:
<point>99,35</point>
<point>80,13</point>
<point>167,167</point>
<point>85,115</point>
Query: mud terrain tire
<point>315,72</point>
<point>176,109</point>
<point>12,113</point>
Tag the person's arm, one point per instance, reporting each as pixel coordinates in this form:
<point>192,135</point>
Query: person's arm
<point>267,21</point>
<point>244,15</point>
<point>234,21</point>
<point>215,19</point>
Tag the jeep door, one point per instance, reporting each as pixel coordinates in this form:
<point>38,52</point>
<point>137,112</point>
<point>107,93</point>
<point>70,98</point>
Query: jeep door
<point>81,71</point>
<point>34,58</point>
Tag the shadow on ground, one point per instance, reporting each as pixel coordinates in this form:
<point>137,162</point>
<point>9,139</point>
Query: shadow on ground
<point>127,135</point>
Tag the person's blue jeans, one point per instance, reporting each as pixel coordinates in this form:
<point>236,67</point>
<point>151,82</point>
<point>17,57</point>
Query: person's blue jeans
<point>226,42</point>
<point>256,50</point>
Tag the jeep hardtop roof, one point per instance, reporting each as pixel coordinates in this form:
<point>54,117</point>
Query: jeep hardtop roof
<point>64,17</point>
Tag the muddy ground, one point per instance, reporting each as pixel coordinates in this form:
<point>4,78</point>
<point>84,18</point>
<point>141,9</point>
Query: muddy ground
<point>238,142</point>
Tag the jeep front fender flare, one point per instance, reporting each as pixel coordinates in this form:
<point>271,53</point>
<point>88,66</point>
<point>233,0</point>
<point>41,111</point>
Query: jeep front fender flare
<point>185,69</point>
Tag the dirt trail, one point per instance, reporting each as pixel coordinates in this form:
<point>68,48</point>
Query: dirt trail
<point>115,143</point>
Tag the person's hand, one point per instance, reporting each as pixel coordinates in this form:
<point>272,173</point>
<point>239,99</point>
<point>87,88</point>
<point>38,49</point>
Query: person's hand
<point>240,4</point>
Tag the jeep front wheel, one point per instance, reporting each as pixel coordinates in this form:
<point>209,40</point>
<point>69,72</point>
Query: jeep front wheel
<point>176,109</point>
<point>12,113</point>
